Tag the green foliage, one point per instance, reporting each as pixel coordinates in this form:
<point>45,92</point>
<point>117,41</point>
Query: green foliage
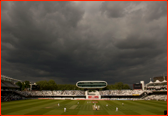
<point>67,87</point>
<point>51,85</point>
<point>23,85</point>
<point>47,85</point>
<point>126,86</point>
<point>117,86</point>
<point>27,84</point>
<point>19,84</point>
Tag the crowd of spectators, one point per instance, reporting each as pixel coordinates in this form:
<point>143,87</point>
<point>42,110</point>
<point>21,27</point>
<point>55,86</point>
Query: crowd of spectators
<point>81,93</point>
<point>121,92</point>
<point>158,88</point>
<point>53,93</point>
<point>24,93</point>
<point>10,97</point>
<point>156,97</point>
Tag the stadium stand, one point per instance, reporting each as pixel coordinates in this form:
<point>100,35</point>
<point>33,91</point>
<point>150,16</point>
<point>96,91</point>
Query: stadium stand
<point>156,97</point>
<point>52,93</point>
<point>154,91</point>
<point>121,92</point>
<point>10,96</point>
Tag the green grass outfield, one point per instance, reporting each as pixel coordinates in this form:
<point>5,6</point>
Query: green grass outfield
<point>50,107</point>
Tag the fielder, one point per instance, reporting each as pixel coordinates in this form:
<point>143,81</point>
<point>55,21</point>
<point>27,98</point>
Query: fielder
<point>96,107</point>
<point>58,104</point>
<point>64,109</point>
<point>106,104</point>
<point>116,109</point>
<point>122,103</point>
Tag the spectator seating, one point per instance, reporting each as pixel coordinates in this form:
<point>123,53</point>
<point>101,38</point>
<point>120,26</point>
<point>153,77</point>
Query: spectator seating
<point>156,97</point>
<point>10,96</point>
<point>53,93</point>
<point>121,92</point>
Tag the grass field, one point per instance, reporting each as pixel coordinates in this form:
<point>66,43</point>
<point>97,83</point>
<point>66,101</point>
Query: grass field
<point>50,107</point>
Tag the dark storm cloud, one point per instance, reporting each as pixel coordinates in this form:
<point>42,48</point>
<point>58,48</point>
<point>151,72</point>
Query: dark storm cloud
<point>115,9</point>
<point>72,41</point>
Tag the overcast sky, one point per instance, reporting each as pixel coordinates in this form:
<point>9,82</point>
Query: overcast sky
<point>73,41</point>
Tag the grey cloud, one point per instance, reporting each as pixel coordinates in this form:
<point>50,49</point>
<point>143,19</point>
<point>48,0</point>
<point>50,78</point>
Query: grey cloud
<point>114,9</point>
<point>156,10</point>
<point>67,42</point>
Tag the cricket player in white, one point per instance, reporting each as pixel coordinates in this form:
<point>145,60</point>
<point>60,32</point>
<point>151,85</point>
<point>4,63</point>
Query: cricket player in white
<point>64,109</point>
<point>106,104</point>
<point>58,104</point>
<point>122,103</point>
<point>116,108</point>
<point>96,107</point>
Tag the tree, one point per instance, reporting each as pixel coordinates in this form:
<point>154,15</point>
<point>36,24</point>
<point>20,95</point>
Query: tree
<point>27,84</point>
<point>119,85</point>
<point>23,86</point>
<point>126,86</point>
<point>42,85</point>
<point>47,85</point>
<point>19,84</point>
<point>52,85</point>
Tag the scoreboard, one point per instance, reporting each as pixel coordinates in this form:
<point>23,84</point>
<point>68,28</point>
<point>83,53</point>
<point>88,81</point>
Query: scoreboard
<point>137,86</point>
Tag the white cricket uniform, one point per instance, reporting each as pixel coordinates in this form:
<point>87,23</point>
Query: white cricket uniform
<point>96,107</point>
<point>116,109</point>
<point>64,109</point>
<point>58,104</point>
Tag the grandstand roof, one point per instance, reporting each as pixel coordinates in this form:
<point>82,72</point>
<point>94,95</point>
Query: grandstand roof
<point>2,84</point>
<point>157,81</point>
<point>164,81</point>
<point>8,84</point>
<point>6,78</point>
